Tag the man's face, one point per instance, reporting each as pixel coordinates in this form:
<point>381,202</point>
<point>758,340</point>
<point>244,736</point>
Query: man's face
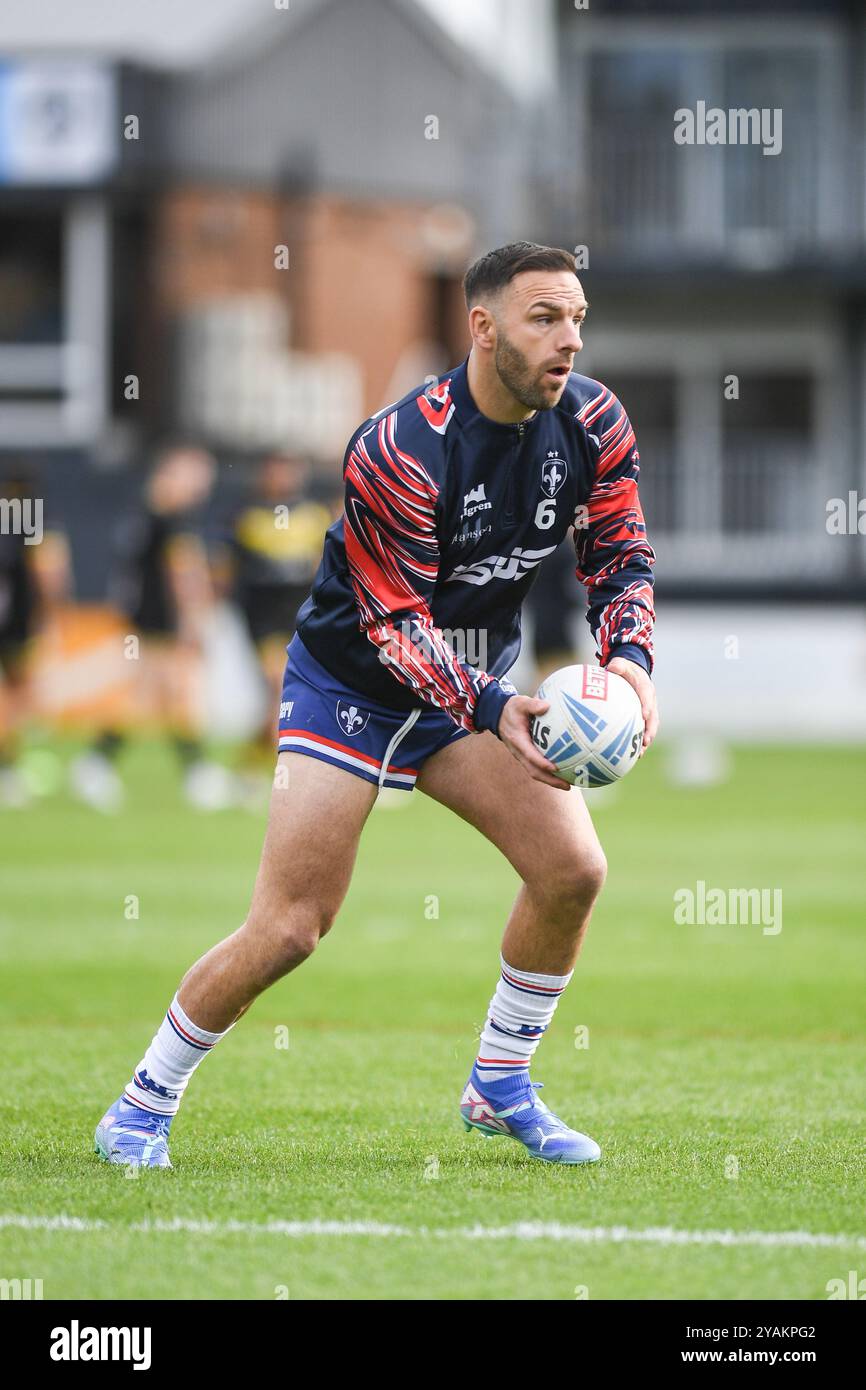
<point>538,318</point>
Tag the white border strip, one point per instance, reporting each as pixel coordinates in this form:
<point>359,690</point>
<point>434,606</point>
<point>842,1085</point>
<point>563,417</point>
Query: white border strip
<point>522,1231</point>
<point>288,744</point>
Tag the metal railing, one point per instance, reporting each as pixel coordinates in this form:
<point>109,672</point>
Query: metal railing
<point>646,192</point>
<point>756,512</point>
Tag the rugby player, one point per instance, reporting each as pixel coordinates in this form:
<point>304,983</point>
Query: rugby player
<point>162,587</point>
<point>453,496</point>
<point>272,565</point>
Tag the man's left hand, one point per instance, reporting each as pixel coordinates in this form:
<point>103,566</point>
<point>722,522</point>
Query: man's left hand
<point>640,682</point>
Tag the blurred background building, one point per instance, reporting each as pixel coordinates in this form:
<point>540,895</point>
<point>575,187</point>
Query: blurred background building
<point>246,225</point>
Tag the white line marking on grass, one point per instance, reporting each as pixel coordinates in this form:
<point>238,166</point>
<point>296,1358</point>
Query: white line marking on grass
<point>522,1231</point>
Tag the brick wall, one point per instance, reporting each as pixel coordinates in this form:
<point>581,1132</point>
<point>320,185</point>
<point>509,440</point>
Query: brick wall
<point>373,279</point>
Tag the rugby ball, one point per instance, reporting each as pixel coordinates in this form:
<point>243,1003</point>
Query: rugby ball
<point>593,730</point>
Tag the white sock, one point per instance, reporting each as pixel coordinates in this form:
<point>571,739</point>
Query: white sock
<point>163,1074</point>
<point>519,1015</point>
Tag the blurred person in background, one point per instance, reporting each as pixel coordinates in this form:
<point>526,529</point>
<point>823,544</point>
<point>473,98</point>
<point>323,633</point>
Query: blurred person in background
<point>162,585</point>
<point>333,499</point>
<point>34,576</point>
<point>272,553</point>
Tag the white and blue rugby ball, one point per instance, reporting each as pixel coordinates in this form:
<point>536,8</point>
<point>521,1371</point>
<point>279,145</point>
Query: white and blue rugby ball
<point>593,730</point>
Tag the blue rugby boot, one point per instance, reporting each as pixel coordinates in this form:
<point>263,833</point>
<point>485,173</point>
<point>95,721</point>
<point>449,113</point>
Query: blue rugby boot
<point>511,1107</point>
<point>128,1135</point>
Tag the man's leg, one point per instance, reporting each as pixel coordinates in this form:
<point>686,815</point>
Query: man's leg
<point>317,814</point>
<point>316,817</point>
<point>550,840</point>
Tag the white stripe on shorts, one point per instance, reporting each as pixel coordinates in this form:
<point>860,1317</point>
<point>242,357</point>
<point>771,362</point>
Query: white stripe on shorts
<point>400,734</point>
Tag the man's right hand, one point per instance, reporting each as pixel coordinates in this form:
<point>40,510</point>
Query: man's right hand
<point>514,721</point>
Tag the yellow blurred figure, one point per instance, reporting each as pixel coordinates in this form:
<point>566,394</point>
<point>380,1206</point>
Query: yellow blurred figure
<point>274,551</point>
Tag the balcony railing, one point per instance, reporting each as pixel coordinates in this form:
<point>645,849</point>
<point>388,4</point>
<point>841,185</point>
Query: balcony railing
<point>647,194</point>
<point>757,513</point>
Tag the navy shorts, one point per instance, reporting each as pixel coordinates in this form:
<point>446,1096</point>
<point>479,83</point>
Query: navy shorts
<point>325,719</point>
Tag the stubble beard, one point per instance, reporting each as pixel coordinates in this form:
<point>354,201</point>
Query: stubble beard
<point>516,374</point>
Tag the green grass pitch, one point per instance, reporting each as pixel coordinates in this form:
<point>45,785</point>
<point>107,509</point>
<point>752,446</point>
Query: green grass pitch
<point>724,1076</point>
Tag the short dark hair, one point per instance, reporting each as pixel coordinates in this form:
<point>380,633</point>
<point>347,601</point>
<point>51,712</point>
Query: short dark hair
<point>493,271</point>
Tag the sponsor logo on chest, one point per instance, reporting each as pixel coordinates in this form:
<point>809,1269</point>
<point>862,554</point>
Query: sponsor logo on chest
<point>475,500</point>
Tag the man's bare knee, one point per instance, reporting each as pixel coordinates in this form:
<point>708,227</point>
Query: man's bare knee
<point>287,936</point>
<point>574,883</point>
<point>591,874</point>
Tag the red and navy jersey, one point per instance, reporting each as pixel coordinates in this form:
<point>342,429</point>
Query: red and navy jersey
<point>448,515</point>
